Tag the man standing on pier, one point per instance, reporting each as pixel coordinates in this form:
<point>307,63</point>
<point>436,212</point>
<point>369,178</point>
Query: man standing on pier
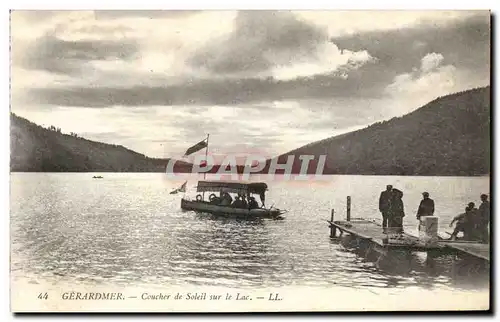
<point>426,207</point>
<point>483,219</point>
<point>384,205</point>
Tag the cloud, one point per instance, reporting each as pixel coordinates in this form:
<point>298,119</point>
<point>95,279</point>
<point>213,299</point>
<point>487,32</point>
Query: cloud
<point>430,77</point>
<point>60,56</point>
<point>259,40</point>
<point>225,58</point>
<point>207,91</point>
<point>149,14</point>
<point>464,42</point>
<point>430,62</point>
<point>433,78</point>
<point>274,44</point>
<point>329,60</point>
<point>352,22</point>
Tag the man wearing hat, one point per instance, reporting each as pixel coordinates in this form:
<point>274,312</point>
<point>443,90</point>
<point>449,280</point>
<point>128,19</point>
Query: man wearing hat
<point>483,219</point>
<point>384,205</point>
<point>426,207</point>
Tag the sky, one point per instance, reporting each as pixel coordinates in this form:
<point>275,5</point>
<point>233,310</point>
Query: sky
<point>261,82</point>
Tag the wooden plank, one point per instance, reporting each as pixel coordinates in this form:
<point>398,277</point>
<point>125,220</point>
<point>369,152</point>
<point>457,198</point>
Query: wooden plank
<point>370,230</point>
<point>363,228</point>
<point>458,241</point>
<point>476,249</point>
<point>367,230</point>
<point>341,227</point>
<point>348,229</point>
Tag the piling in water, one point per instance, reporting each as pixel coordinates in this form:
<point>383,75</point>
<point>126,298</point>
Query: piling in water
<point>333,229</point>
<point>348,208</point>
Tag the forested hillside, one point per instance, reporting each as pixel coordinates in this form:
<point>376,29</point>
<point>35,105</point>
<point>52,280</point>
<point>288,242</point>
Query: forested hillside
<point>449,136</point>
<point>34,148</point>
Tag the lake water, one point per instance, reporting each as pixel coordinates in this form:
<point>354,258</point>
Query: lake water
<point>127,229</point>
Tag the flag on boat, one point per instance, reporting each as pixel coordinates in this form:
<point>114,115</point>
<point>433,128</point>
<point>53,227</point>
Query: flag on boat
<point>180,189</point>
<point>197,147</point>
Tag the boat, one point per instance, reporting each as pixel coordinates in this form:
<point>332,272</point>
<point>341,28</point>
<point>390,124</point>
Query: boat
<point>214,206</point>
<point>217,205</point>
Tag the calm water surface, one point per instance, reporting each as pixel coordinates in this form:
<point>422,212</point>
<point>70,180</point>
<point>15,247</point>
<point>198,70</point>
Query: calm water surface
<point>126,228</point>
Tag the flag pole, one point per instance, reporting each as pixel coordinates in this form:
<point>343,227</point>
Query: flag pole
<point>206,156</point>
<point>206,163</point>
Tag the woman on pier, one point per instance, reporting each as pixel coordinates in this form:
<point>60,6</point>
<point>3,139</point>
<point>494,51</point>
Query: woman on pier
<point>397,211</point>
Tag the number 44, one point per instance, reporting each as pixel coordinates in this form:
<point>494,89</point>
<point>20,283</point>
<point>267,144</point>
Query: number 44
<point>43,296</point>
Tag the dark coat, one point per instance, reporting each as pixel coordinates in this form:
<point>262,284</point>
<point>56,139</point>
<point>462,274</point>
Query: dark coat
<point>397,206</point>
<point>384,202</point>
<point>469,224</point>
<point>426,208</point>
<point>484,213</point>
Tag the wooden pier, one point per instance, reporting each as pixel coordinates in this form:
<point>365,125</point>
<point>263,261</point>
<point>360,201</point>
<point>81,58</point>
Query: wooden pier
<point>370,233</point>
<point>477,250</point>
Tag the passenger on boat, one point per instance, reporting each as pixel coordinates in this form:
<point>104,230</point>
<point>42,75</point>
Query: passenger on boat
<point>263,198</point>
<point>384,204</point>
<point>426,207</point>
<point>483,219</point>
<point>465,223</point>
<point>215,200</point>
<point>252,203</point>
<point>237,202</point>
<point>226,199</point>
<point>396,212</point>
<point>244,203</point>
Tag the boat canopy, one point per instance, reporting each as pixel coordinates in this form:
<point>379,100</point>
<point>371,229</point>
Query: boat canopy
<point>234,187</point>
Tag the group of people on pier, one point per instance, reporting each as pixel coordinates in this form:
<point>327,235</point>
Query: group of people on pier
<point>392,208</point>
<point>473,223</point>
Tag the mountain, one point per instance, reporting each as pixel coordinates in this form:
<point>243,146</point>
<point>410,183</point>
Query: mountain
<point>449,136</point>
<point>37,149</point>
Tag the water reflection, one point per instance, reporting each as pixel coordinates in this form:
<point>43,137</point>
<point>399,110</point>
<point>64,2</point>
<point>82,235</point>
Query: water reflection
<point>426,269</point>
<point>223,249</point>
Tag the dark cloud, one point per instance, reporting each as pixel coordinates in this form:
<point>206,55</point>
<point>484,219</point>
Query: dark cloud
<point>43,15</point>
<point>260,40</point>
<point>208,92</point>
<point>61,56</point>
<point>464,44</point>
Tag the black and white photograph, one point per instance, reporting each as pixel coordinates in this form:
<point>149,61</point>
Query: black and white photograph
<point>250,160</point>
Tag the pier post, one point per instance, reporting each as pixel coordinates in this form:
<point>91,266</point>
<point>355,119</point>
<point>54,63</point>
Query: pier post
<point>348,208</point>
<point>333,229</point>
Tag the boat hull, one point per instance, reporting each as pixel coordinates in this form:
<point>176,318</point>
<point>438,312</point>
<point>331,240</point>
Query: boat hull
<point>202,206</point>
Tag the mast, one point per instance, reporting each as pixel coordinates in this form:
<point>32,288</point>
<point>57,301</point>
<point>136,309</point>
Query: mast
<point>206,156</point>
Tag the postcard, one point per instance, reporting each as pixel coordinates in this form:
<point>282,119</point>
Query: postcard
<point>250,161</point>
